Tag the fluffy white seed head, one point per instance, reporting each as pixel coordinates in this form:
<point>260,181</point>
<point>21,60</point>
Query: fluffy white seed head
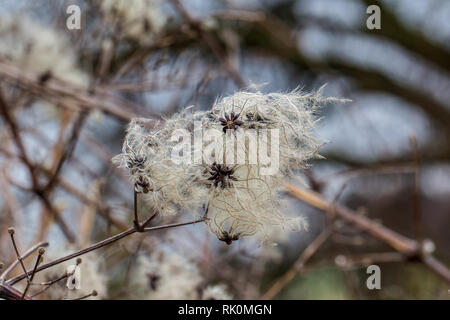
<point>39,49</point>
<point>240,198</point>
<point>292,113</point>
<point>216,292</point>
<point>139,21</point>
<point>165,276</point>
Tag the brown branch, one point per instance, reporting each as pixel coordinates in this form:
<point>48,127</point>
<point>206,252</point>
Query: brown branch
<point>8,292</point>
<point>287,277</point>
<point>56,215</point>
<point>417,211</point>
<point>410,248</point>
<point>33,272</point>
<point>102,209</point>
<point>66,92</point>
<point>438,267</point>
<point>68,150</point>
<point>92,294</point>
<point>4,111</point>
<point>48,284</point>
<point>212,43</point>
<point>11,232</point>
<point>24,256</point>
<point>392,238</point>
<point>347,262</point>
<point>101,244</point>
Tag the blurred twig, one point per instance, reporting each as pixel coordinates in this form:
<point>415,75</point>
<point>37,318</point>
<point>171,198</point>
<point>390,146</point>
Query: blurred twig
<point>287,277</point>
<point>63,91</point>
<point>212,44</point>
<point>23,256</point>
<point>37,189</point>
<point>407,248</point>
<point>417,211</point>
<point>412,249</point>
<point>106,242</point>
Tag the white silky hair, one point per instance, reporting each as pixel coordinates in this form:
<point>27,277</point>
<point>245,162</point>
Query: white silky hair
<point>241,201</point>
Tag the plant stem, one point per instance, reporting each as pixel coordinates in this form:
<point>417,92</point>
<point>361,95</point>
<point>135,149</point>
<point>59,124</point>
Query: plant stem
<point>100,244</point>
<point>25,255</point>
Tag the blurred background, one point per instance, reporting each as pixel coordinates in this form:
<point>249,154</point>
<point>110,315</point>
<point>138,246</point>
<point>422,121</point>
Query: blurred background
<point>68,94</point>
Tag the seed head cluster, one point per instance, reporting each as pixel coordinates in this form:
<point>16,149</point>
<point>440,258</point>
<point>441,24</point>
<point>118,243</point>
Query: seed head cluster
<point>239,200</point>
<point>139,22</point>
<point>40,49</point>
<point>169,275</point>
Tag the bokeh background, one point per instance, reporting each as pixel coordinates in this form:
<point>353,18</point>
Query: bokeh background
<point>70,94</point>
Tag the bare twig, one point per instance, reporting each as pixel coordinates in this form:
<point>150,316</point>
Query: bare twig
<point>48,284</point>
<point>410,248</point>
<point>101,244</point>
<point>68,150</point>
<point>8,292</point>
<point>211,42</point>
<point>4,110</point>
<point>438,267</point>
<point>33,272</point>
<point>397,241</point>
<point>11,232</point>
<point>136,223</point>
<point>368,259</point>
<point>24,256</point>
<point>63,91</point>
<point>417,214</point>
<point>92,294</point>
<point>287,277</point>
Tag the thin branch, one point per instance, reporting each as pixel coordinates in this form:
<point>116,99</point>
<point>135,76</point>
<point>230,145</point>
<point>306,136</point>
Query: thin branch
<point>410,248</point>
<point>8,292</point>
<point>48,284</point>
<point>212,43</point>
<point>11,232</point>
<point>68,150</point>
<point>4,111</point>
<point>136,222</point>
<point>348,262</point>
<point>399,242</point>
<point>438,267</point>
<point>33,272</point>
<point>172,225</point>
<point>101,244</point>
<point>24,256</point>
<point>92,294</point>
<point>417,212</point>
<point>287,277</point>
<point>65,92</point>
